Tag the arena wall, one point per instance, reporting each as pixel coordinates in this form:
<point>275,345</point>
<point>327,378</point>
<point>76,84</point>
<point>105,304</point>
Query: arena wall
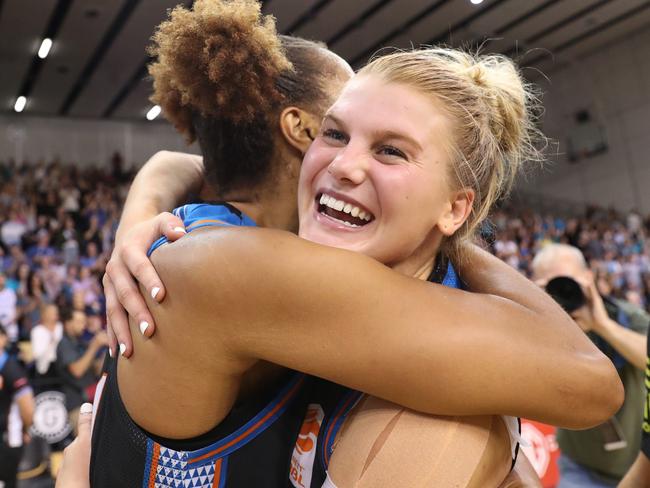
<point>614,85</point>
<point>85,141</point>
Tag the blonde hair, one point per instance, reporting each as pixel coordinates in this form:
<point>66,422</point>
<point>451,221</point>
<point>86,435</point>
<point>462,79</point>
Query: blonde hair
<point>492,110</point>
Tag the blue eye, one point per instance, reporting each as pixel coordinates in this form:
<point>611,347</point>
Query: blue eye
<point>335,135</point>
<point>392,151</point>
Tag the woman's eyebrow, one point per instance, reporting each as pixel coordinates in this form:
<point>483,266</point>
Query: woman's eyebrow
<point>334,118</point>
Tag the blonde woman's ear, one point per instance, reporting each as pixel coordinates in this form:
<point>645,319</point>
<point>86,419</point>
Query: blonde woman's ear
<point>460,208</point>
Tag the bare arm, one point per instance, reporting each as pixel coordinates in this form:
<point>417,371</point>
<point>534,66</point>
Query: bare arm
<point>347,318</point>
<point>79,367</point>
<point>628,343</point>
<point>25,402</point>
<point>163,182</point>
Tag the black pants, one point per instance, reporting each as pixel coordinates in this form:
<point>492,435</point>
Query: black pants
<point>9,460</point>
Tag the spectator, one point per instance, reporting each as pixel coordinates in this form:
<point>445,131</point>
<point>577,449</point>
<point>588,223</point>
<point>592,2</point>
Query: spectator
<point>31,302</point>
<point>77,362</point>
<point>13,229</point>
<point>8,310</point>
<point>14,389</point>
<point>599,457</point>
<point>45,338</point>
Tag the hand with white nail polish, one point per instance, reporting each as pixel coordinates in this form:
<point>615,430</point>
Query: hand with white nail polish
<point>129,267</point>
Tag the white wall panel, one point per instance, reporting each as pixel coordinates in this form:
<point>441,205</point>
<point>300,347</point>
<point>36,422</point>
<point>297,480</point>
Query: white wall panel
<point>614,84</point>
<point>85,142</point>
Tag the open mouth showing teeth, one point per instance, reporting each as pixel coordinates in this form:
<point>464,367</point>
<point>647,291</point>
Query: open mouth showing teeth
<point>346,213</point>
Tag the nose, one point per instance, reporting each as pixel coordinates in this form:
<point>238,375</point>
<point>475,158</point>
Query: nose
<point>349,166</point>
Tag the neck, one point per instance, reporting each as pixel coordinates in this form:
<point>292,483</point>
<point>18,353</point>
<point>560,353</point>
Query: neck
<point>421,262</point>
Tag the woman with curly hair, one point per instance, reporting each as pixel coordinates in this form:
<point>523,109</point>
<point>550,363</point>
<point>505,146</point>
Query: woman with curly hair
<point>412,153</point>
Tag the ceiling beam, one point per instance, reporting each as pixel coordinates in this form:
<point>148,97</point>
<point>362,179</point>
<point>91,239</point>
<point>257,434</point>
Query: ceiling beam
<point>107,41</point>
<point>307,16</point>
<point>465,22</point>
<point>358,21</point>
<point>592,32</point>
<point>52,29</point>
<point>139,73</point>
<point>363,57</point>
<point>131,83</point>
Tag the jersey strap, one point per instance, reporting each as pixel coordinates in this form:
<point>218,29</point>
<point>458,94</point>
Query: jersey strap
<point>334,424</point>
<point>198,215</point>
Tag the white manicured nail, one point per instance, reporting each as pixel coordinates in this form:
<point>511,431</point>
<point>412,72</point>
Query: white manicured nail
<point>110,352</point>
<point>86,408</point>
<point>144,325</point>
<point>122,349</point>
<point>154,292</point>
<point>180,229</point>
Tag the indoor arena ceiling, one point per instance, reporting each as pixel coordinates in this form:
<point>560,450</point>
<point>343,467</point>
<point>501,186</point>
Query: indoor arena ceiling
<point>97,65</point>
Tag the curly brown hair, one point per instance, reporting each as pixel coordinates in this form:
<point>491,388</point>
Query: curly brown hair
<point>222,76</point>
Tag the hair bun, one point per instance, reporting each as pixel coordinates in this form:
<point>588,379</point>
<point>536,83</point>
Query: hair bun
<point>221,58</point>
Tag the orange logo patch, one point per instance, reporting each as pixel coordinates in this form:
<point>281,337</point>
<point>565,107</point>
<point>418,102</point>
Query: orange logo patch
<point>304,453</point>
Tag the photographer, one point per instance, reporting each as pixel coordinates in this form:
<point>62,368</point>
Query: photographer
<point>598,457</point>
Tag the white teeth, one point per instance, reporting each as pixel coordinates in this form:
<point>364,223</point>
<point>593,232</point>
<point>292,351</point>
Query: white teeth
<point>342,206</point>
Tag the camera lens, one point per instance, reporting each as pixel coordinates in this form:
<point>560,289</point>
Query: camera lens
<point>567,292</point>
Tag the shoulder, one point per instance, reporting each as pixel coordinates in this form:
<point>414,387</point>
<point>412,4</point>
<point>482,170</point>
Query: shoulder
<point>15,375</point>
<point>241,256</point>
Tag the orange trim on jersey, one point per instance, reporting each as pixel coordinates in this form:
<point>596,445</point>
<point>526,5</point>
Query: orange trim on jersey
<point>208,221</point>
<point>217,473</point>
<point>252,429</point>
<point>153,469</point>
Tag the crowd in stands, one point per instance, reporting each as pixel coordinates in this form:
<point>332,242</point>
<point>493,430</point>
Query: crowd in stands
<point>613,243</point>
<point>57,227</point>
<point>58,224</point>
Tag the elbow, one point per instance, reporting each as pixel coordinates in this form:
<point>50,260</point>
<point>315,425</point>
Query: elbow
<point>599,396</point>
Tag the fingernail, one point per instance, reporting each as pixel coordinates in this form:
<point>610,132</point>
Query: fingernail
<point>180,229</point>
<point>144,325</point>
<point>86,408</point>
<point>122,349</point>
<point>110,351</point>
<point>154,291</point>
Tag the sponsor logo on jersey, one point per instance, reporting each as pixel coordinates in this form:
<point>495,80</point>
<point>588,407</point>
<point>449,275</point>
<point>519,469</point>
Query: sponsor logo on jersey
<point>304,452</point>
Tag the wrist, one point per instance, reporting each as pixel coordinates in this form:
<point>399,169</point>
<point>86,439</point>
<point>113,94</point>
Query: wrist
<point>605,327</point>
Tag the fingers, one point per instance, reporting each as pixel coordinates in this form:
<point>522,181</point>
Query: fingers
<point>134,256</point>
<point>118,322</point>
<point>170,226</point>
<point>85,420</point>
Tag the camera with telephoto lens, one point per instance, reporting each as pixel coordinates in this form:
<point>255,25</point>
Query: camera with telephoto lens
<point>567,292</point>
